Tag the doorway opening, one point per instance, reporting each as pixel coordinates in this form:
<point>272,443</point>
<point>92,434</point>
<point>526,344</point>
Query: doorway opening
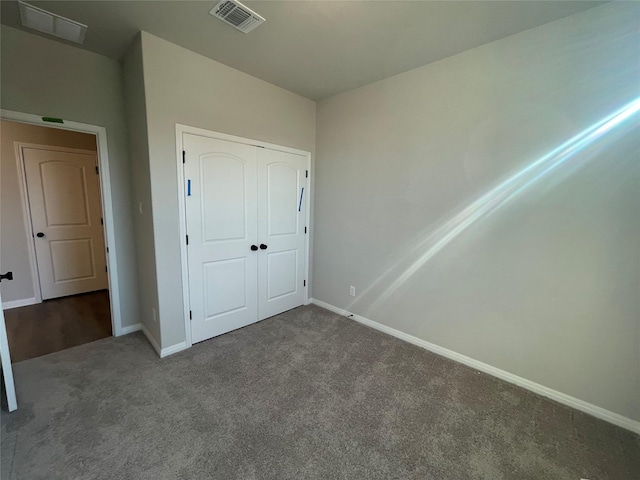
<point>56,236</point>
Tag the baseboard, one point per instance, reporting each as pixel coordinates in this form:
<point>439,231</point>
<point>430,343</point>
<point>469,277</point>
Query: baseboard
<point>152,340</point>
<point>178,347</point>
<point>598,412</point>
<point>23,302</point>
<point>130,329</point>
<point>163,352</point>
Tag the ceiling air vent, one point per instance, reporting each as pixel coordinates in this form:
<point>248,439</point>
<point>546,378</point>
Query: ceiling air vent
<point>51,24</point>
<point>237,15</point>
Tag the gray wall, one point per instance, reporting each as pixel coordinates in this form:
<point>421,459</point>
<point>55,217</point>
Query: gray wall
<point>187,88</point>
<point>140,174</point>
<point>14,240</point>
<point>547,287</point>
<point>44,77</point>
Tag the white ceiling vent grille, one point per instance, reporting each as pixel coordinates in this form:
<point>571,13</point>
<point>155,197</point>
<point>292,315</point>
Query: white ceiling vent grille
<point>237,15</point>
<point>51,24</point>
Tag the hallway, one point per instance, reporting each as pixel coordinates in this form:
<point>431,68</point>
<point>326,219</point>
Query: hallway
<point>57,324</point>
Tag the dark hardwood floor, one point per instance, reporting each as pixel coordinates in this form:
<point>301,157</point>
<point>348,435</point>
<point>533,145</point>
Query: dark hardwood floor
<point>57,324</point>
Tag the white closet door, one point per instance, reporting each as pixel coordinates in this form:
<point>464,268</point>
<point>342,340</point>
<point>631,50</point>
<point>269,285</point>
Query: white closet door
<point>64,198</point>
<point>222,227</point>
<point>281,231</point>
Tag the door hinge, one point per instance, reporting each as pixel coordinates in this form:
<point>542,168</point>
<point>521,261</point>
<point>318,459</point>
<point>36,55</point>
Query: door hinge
<point>305,229</point>
<point>183,156</point>
<point>101,221</point>
<point>304,283</point>
<point>106,269</point>
<point>187,239</point>
<point>97,170</point>
<point>306,173</point>
<point>107,249</point>
<point>190,315</point>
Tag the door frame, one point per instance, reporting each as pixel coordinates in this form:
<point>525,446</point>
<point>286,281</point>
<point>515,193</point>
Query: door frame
<point>106,200</point>
<point>181,129</point>
<point>26,206</point>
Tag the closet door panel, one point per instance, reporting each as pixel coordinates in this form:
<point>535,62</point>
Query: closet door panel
<point>281,231</point>
<point>221,214</point>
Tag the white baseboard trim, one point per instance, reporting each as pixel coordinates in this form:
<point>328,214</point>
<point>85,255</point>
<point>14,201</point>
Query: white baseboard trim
<point>598,412</point>
<point>152,340</point>
<point>178,347</point>
<point>23,302</point>
<point>163,352</point>
<point>130,329</point>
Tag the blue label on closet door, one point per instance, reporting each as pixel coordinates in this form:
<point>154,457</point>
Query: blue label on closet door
<point>188,188</point>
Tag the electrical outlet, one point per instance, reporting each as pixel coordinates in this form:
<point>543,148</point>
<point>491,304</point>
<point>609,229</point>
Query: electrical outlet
<point>154,315</point>
<point>352,291</point>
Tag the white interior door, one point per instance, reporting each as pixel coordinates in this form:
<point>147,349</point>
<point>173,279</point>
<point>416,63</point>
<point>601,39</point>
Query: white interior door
<point>281,231</point>
<point>221,220</point>
<point>7,370</point>
<point>64,200</point>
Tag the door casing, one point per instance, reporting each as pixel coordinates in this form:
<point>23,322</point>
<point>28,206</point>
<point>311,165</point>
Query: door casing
<point>180,129</point>
<point>107,208</point>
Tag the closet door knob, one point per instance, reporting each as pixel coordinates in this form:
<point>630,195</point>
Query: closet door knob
<point>39,234</point>
<point>6,276</point>
<point>254,248</point>
<point>263,246</point>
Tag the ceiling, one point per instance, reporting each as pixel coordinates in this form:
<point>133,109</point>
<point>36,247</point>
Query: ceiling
<point>313,48</point>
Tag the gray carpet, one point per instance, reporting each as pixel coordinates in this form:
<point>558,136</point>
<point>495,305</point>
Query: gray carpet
<point>305,395</point>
